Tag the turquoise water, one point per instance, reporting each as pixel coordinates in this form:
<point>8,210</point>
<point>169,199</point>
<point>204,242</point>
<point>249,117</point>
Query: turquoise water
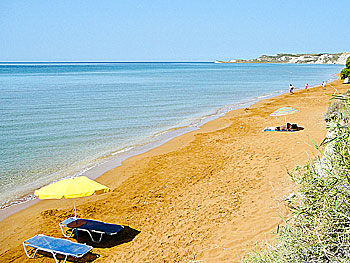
<point>58,119</point>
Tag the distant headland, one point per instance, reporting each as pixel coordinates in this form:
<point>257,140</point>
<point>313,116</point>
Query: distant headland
<point>323,58</point>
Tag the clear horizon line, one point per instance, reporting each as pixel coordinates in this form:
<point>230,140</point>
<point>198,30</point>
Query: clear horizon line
<point>107,61</point>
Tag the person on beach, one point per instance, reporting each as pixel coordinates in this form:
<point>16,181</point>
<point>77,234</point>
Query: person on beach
<point>284,127</point>
<point>291,88</point>
<point>306,85</point>
<point>288,127</point>
<point>323,84</point>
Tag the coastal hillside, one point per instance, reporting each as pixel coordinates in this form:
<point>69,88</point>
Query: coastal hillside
<point>339,58</point>
<point>323,58</point>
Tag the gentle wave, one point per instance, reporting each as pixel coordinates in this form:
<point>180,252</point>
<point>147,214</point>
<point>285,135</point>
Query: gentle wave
<point>65,126</point>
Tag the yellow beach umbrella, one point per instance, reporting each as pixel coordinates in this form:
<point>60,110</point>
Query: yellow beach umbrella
<point>71,188</point>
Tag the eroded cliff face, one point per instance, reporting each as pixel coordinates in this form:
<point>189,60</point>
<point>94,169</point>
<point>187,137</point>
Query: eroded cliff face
<point>325,58</point>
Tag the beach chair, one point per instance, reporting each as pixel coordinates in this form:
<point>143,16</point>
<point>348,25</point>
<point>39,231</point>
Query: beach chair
<point>55,246</point>
<point>90,226</point>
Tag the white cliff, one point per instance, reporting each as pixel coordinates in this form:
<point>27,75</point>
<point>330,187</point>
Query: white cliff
<point>323,58</point>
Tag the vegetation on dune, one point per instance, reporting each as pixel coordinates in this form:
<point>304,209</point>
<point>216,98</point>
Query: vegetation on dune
<point>319,228</point>
<point>345,73</point>
<point>338,110</point>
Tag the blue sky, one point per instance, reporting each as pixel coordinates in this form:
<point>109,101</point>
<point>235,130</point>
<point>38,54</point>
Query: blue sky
<point>174,30</point>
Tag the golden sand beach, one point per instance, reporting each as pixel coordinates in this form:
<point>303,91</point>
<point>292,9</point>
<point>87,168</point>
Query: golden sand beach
<point>210,195</point>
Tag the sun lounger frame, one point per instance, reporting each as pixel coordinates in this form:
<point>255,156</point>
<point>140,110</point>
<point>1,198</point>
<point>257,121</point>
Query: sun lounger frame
<point>98,240</point>
<point>53,252</point>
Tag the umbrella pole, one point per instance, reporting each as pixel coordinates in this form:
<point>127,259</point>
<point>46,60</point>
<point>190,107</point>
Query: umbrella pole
<point>285,119</point>
<point>75,210</point>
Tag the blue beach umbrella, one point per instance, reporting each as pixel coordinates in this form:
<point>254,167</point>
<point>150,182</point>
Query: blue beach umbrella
<point>284,111</point>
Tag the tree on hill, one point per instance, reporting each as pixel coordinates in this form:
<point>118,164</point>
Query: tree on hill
<point>345,73</point>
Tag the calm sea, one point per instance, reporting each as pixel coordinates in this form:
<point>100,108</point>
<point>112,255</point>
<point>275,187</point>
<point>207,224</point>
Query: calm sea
<point>59,119</point>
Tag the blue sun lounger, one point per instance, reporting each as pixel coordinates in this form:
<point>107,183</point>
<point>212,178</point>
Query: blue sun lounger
<point>55,246</point>
<point>91,226</point>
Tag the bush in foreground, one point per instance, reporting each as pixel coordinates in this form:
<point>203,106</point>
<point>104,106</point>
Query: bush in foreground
<point>338,110</point>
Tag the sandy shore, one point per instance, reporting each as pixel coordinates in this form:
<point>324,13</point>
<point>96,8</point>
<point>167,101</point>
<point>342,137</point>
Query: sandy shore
<point>210,195</point>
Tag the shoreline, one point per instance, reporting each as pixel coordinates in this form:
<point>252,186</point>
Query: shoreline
<point>210,194</point>
<point>115,159</point>
<point>64,165</point>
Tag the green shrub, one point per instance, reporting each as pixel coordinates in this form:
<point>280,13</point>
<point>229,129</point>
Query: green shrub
<point>345,73</point>
<point>348,62</point>
<point>337,111</point>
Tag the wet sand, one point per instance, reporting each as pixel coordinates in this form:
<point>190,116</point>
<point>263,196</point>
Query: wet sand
<point>210,195</point>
